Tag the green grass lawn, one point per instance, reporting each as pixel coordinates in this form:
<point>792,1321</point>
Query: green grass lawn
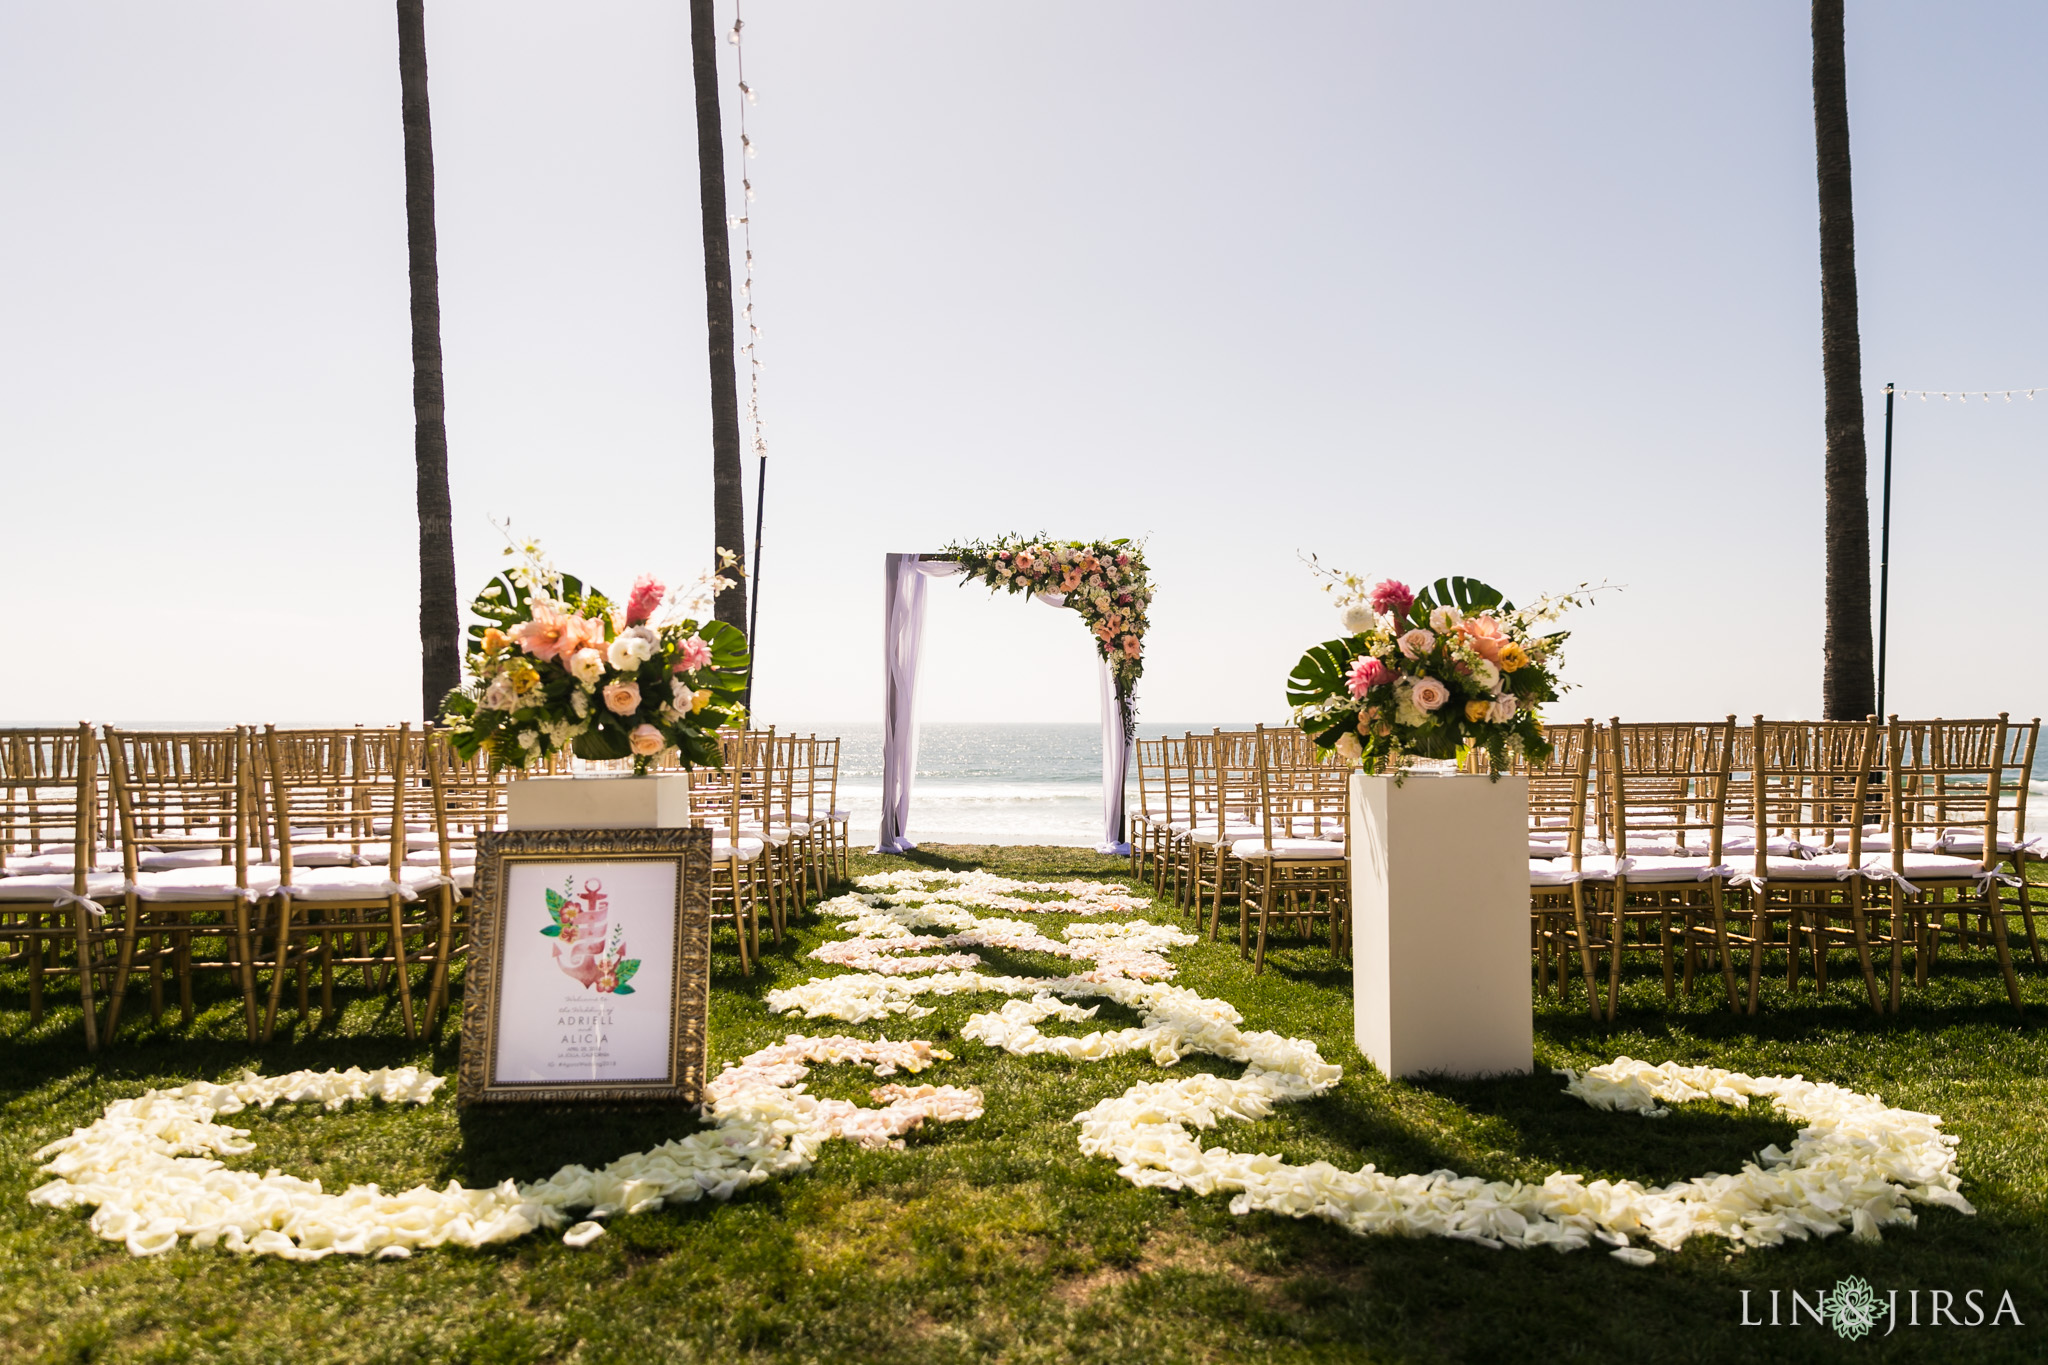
<point>998,1240</point>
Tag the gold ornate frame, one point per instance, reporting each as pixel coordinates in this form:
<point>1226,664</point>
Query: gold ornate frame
<point>690,851</point>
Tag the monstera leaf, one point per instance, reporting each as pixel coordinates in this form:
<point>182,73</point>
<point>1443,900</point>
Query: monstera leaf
<point>1466,594</point>
<point>1321,672</point>
<point>726,679</point>
<point>508,607</point>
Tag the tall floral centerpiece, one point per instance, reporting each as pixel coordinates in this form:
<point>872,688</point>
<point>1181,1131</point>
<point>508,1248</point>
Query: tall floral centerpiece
<point>555,665</point>
<point>1104,580</point>
<point>1450,670</point>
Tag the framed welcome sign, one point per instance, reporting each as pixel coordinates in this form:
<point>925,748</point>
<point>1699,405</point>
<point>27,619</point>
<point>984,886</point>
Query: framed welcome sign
<point>589,967</point>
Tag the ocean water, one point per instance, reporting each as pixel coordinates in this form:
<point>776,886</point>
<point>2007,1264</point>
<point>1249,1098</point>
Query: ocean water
<point>987,782</point>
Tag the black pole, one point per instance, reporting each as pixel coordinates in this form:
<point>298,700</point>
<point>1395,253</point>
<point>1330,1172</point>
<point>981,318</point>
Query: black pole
<point>754,577</point>
<point>1884,552</point>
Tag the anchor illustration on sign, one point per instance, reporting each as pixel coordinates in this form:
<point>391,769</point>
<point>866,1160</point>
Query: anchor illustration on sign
<point>589,949</point>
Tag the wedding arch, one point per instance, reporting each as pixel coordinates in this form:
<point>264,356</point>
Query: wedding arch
<point>1104,580</point>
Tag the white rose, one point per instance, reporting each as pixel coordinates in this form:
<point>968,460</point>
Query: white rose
<point>1348,747</point>
<point>586,666</point>
<point>499,695</point>
<point>529,740</point>
<point>1503,709</point>
<point>634,646</point>
<point>1445,618</point>
<point>1486,674</point>
<point>1359,619</point>
<point>1417,643</point>
<point>1429,694</point>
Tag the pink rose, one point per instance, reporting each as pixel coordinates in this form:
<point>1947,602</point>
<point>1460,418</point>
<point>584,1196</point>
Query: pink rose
<point>692,655</point>
<point>1390,596</point>
<point>647,595</point>
<point>1367,672</point>
<point>622,698</point>
<point>646,741</point>
<point>1430,694</point>
<point>1417,643</point>
<point>1486,637</point>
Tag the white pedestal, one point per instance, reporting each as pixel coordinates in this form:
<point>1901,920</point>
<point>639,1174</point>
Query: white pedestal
<point>656,801</point>
<point>1440,923</point>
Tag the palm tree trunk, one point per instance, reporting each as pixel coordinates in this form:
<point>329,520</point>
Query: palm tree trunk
<point>440,619</point>
<point>1846,689</point>
<point>728,494</point>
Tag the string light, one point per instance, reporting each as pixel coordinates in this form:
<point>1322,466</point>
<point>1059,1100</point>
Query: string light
<point>744,222</point>
<point>1983,395</point>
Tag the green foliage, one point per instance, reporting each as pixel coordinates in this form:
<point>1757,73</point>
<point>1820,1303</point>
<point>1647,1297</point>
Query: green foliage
<point>1321,672</point>
<point>1468,595</point>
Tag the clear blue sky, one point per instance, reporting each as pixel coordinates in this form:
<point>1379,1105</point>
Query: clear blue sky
<point>1523,292</point>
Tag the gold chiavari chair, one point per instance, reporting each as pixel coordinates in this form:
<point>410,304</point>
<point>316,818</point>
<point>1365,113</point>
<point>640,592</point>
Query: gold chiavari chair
<point>197,850</point>
<point>1235,815</point>
<point>2014,846</point>
<point>349,790</point>
<point>1942,791</point>
<point>837,843</point>
<point>1558,868</point>
<point>717,802</point>
<point>1298,865</point>
<point>1667,787</point>
<point>1809,784</point>
<point>468,799</point>
<point>1148,820</point>
<point>52,915</point>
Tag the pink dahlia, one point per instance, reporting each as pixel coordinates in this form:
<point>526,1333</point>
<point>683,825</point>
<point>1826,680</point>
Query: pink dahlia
<point>692,655</point>
<point>1367,672</point>
<point>1389,596</point>
<point>647,594</point>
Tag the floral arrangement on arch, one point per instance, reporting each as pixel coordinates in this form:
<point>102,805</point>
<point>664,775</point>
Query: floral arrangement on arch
<point>1449,670</point>
<point>1104,580</point>
<point>556,665</point>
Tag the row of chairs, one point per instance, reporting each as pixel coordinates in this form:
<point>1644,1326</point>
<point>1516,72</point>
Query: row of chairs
<point>1698,845</point>
<point>1250,818</point>
<point>1877,839</point>
<point>270,856</point>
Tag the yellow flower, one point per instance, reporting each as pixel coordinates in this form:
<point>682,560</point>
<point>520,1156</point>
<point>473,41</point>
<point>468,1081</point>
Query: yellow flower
<point>700,699</point>
<point>1512,657</point>
<point>1475,711</point>
<point>494,639</point>
<point>523,675</point>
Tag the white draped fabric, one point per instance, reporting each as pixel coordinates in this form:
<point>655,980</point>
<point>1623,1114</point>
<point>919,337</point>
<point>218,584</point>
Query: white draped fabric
<point>903,578</point>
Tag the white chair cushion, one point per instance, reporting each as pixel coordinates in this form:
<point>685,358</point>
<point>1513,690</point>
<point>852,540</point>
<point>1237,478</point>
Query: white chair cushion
<point>338,855</point>
<point>1972,845</point>
<point>1932,866</point>
<point>45,887</point>
<point>1289,850</point>
<point>168,859</point>
<point>34,864</point>
<point>1661,870</point>
<point>361,883</point>
<point>206,883</point>
<point>458,855</point>
<point>722,849</point>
